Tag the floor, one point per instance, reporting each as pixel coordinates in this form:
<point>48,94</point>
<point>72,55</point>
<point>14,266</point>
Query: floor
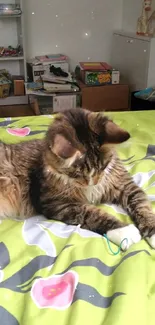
<point>141,105</point>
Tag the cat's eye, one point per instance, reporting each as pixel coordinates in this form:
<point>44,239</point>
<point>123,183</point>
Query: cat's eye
<point>79,161</point>
<point>65,155</point>
<point>82,157</point>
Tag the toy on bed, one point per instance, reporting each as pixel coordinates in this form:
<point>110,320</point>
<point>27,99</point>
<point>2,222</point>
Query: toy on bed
<point>122,246</point>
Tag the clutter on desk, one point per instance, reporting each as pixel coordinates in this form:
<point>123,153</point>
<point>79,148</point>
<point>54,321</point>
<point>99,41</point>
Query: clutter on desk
<point>97,73</point>
<point>11,84</point>
<point>58,72</point>
<point>41,65</point>
<point>52,74</point>
<point>50,77</point>
<point>56,87</point>
<point>35,88</point>
<point>50,84</point>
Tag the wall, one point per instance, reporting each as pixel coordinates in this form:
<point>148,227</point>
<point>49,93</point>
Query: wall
<point>131,11</point>
<point>8,29</point>
<point>82,29</point>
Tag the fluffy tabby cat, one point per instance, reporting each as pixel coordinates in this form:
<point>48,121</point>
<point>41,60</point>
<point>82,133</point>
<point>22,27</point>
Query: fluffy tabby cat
<point>74,168</point>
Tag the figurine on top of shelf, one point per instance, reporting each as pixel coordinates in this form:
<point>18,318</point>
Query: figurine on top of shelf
<point>144,24</point>
<point>147,5</point>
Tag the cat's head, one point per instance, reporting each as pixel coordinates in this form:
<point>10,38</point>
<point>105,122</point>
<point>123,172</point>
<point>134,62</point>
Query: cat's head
<point>79,143</point>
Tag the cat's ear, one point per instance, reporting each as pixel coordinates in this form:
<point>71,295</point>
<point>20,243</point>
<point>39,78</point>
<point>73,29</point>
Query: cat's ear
<point>115,134</point>
<point>65,149</point>
<point>107,130</point>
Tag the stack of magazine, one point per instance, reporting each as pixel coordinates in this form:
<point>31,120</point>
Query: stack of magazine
<point>53,83</point>
<point>50,85</point>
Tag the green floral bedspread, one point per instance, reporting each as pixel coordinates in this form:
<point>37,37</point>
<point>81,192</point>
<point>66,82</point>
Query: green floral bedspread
<point>51,273</point>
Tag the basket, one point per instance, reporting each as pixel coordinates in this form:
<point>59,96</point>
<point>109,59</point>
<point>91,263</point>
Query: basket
<point>4,90</point>
<point>5,84</point>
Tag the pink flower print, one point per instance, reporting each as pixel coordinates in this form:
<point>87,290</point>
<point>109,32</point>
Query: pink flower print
<point>55,292</point>
<point>23,132</point>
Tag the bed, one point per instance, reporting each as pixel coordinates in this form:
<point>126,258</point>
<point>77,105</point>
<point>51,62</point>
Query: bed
<point>51,273</point>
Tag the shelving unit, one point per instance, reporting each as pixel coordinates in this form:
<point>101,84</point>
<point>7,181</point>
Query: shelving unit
<point>11,58</point>
<point>12,26</point>
<point>8,16</point>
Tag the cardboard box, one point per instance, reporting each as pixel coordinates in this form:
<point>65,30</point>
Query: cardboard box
<point>98,73</point>
<point>115,77</point>
<point>61,103</point>
<point>101,78</point>
<point>35,71</point>
<point>19,88</point>
<point>47,105</point>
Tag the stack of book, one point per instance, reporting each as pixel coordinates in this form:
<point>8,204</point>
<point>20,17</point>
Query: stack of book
<point>52,83</point>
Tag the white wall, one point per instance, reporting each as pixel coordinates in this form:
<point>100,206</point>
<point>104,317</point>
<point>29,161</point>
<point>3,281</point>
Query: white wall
<point>81,29</point>
<point>131,11</point>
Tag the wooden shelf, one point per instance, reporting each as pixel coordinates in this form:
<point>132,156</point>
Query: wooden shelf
<point>9,16</point>
<point>105,98</point>
<point>17,19</point>
<point>11,58</point>
<point>14,100</point>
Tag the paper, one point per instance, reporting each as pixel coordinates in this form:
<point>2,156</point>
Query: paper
<point>61,103</point>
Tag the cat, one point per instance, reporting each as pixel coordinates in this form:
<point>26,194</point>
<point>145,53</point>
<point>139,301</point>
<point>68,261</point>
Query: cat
<point>65,175</point>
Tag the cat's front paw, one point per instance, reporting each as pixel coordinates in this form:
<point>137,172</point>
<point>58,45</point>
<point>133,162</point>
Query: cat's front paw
<point>151,241</point>
<point>147,230</point>
<point>131,233</point>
